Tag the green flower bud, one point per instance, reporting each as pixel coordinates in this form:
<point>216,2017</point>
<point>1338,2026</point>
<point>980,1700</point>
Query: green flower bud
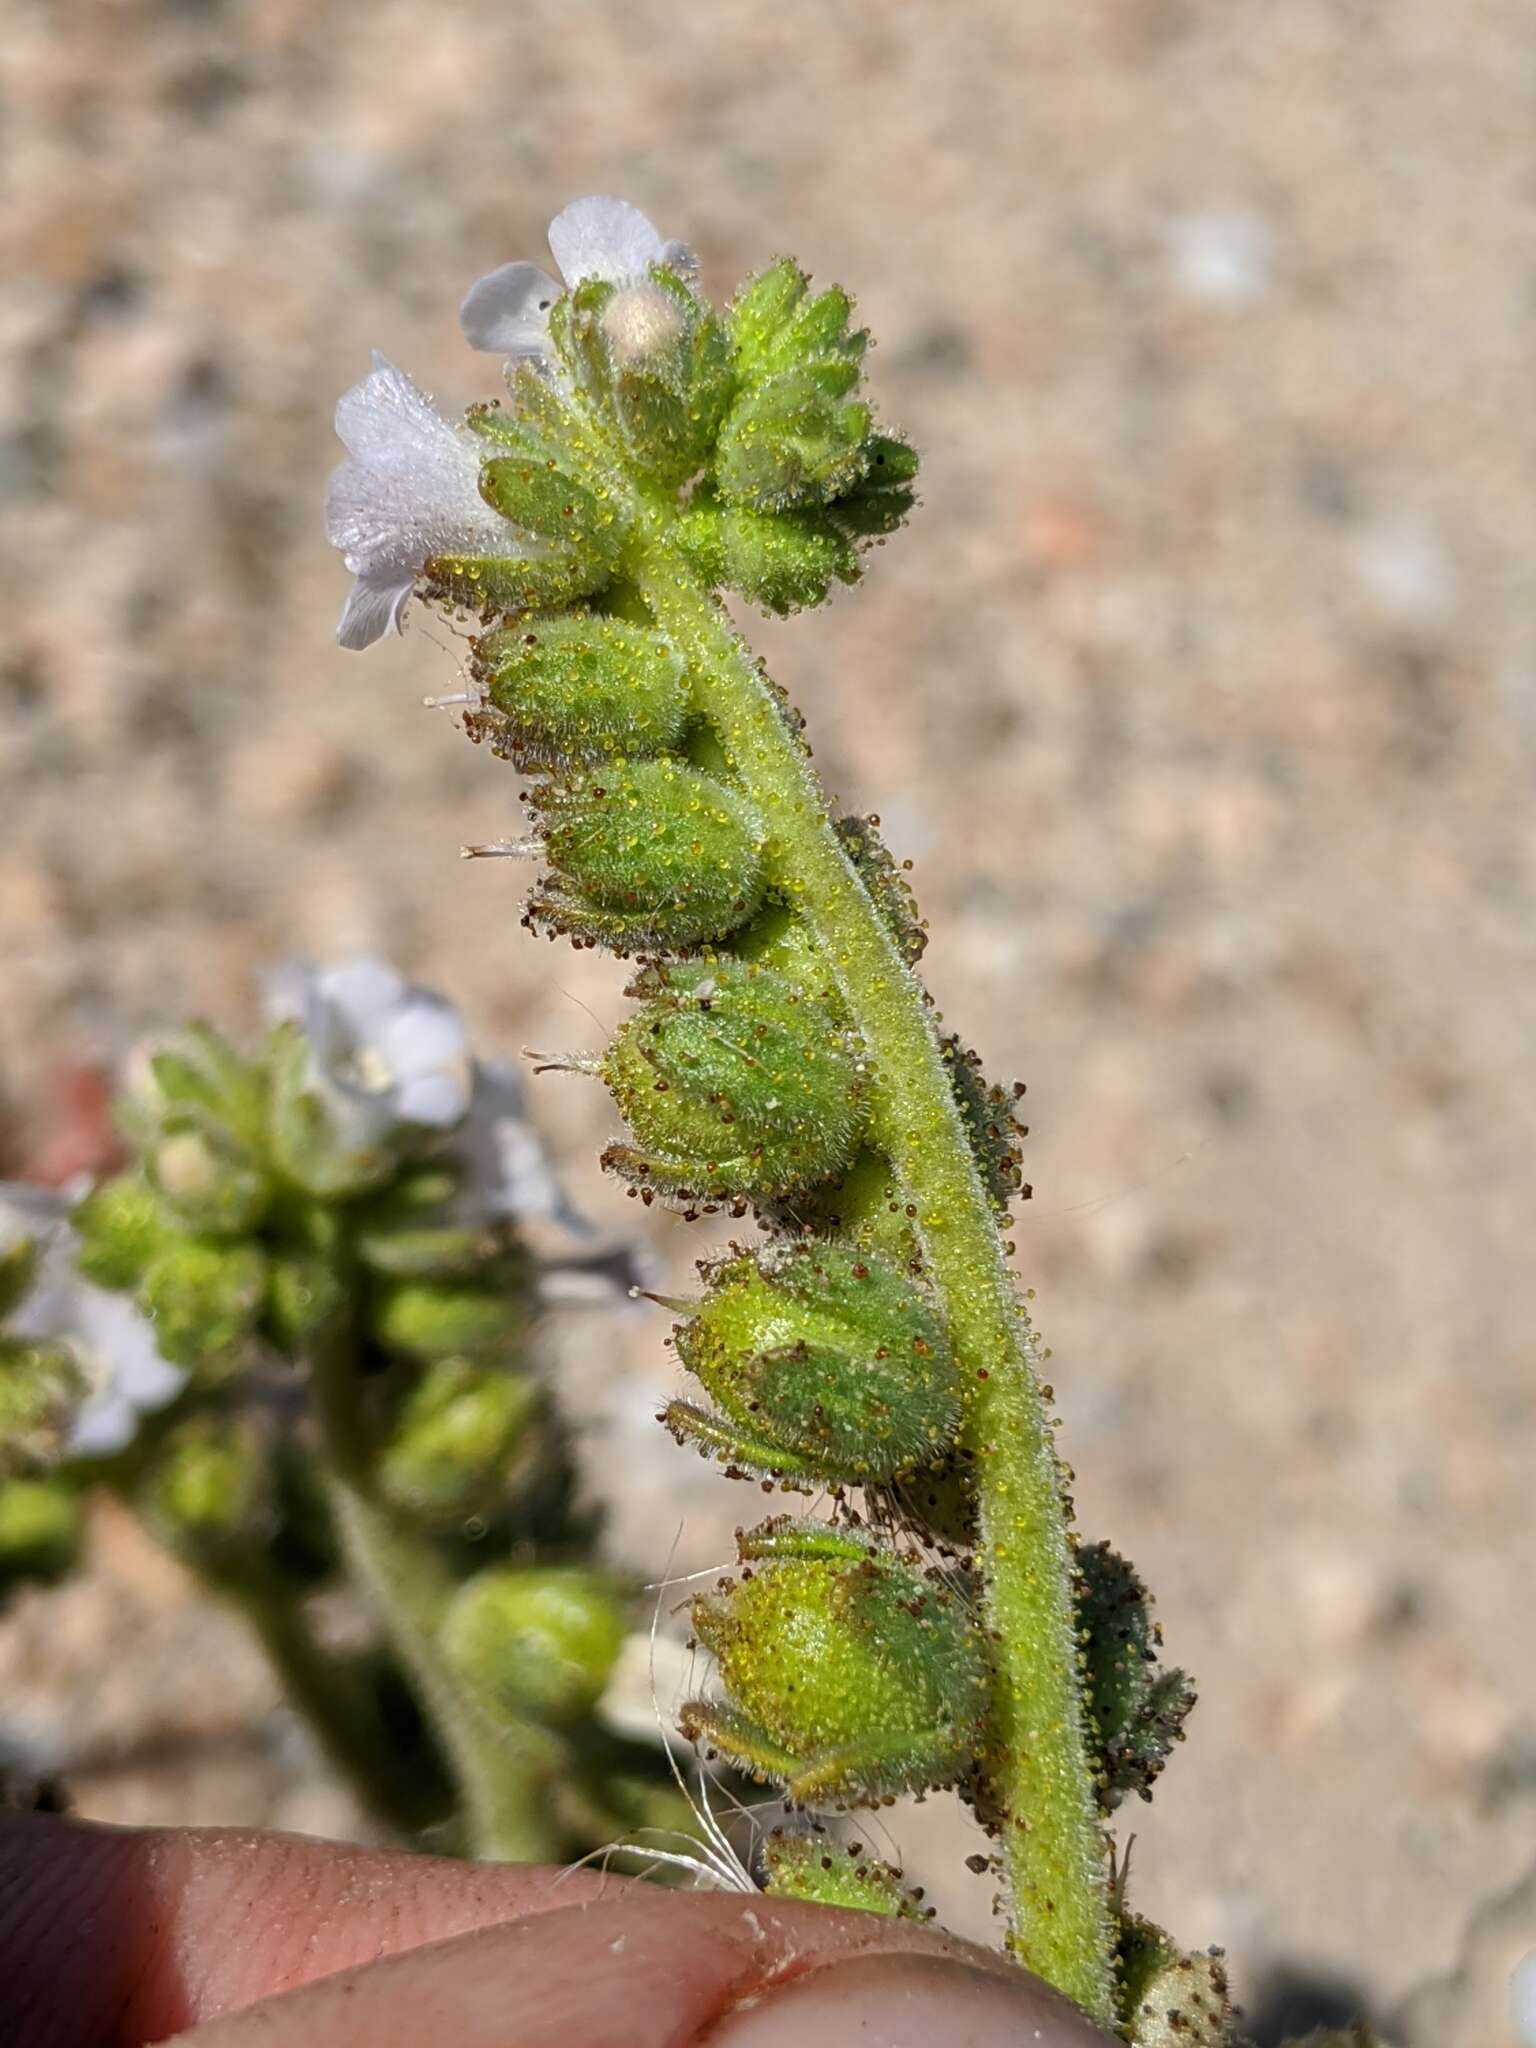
<point>1170,2000</point>
<point>735,1086</point>
<point>456,1440</point>
<point>428,1251</point>
<point>825,1362</point>
<point>784,561</point>
<point>202,1298</point>
<point>18,1267</point>
<point>794,434</point>
<point>41,1526</point>
<point>305,1296</point>
<point>825,1872</point>
<point>211,1181</point>
<point>656,359</point>
<point>582,688</point>
<point>425,1320</point>
<point>207,1490</point>
<point>538,1642</point>
<point>202,1075</point>
<point>41,1386</point>
<point>1137,1715</point>
<point>649,854</point>
<point>121,1225</point>
<point>852,1676</point>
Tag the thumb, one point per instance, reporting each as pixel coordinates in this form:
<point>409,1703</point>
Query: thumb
<point>650,1969</point>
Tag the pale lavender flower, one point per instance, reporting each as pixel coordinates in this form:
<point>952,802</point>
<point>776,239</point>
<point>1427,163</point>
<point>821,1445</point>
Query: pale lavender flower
<point>507,312</point>
<point>410,490</point>
<point>113,1344</point>
<point>382,1054</point>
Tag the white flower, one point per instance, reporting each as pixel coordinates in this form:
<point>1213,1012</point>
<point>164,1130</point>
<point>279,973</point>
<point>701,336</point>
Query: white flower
<point>507,312</point>
<point>410,490</point>
<point>382,1053</point>
<point>112,1342</point>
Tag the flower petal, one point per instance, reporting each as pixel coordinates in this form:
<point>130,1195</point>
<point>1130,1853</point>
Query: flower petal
<point>604,238</point>
<point>507,312</point>
<point>370,611</point>
<point>436,1100</point>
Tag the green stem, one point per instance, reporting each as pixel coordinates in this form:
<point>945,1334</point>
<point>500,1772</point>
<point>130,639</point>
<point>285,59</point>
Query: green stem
<point>503,1770</point>
<point>1036,1764</point>
<point>332,1699</point>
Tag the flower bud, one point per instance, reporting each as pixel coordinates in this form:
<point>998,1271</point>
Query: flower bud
<point>1137,1715</point>
<point>202,1298</point>
<point>1171,2000</point>
<point>41,1525</point>
<point>456,1440</point>
<point>656,358</point>
<point>824,1362</point>
<point>815,1867</point>
<point>735,1086</point>
<point>207,1491</point>
<point>305,1296</point>
<point>643,328</point>
<point>121,1224</point>
<point>41,1387</point>
<point>429,1321</point>
<point>794,434</point>
<point>784,561</point>
<point>212,1182</point>
<point>538,1642</point>
<point>650,854</point>
<point>852,1676</point>
<point>582,688</point>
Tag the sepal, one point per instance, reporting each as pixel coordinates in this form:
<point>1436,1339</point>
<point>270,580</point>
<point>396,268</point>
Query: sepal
<point>203,1298</point>
<point>734,1085</point>
<point>1137,1714</point>
<point>481,1318</point>
<point>457,1439</point>
<point>852,1676</point>
<point>812,1865</point>
<point>536,1642</point>
<point>648,855</point>
<point>1170,2000</point>
<point>825,1363</point>
<point>41,1388</point>
<point>578,688</point>
<point>120,1224</point>
<point>207,1490</point>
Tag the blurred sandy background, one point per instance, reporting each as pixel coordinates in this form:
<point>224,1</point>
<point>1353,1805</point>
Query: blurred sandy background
<point>1202,691</point>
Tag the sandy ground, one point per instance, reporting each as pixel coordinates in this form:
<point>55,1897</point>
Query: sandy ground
<point>1202,691</point>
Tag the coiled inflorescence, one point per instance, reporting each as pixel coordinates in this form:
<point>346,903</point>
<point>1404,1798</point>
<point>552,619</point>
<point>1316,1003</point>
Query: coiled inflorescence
<point>657,454</point>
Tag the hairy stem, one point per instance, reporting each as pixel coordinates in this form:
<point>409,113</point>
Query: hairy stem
<point>1036,1764</point>
<point>332,1699</point>
<point>502,1770</point>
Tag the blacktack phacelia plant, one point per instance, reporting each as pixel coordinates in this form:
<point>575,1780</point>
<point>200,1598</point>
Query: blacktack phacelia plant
<point>940,1626</point>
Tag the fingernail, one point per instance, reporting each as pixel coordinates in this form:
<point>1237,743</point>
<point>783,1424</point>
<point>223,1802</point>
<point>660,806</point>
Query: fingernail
<point>905,2002</point>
